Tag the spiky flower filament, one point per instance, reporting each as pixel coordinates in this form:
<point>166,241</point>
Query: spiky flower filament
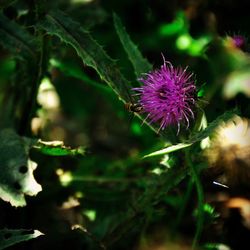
<point>168,95</point>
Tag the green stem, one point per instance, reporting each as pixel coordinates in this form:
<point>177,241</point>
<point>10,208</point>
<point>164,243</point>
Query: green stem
<point>184,204</point>
<point>35,68</point>
<point>200,194</point>
<point>39,69</point>
<point>105,179</point>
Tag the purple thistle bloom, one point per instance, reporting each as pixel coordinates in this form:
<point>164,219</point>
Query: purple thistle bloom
<point>239,41</point>
<point>168,95</point>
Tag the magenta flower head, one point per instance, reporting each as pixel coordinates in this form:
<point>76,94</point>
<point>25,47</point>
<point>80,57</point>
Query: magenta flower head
<point>168,95</point>
<point>239,41</point>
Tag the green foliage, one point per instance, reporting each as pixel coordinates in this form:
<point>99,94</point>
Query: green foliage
<point>140,64</point>
<point>169,149</point>
<point>92,54</point>
<point>75,71</point>
<point>58,24</point>
<point>17,39</point>
<point>196,137</point>
<point>212,126</point>
<point>178,26</point>
<point>57,148</point>
<point>157,188</point>
<point>16,169</point>
<point>9,237</point>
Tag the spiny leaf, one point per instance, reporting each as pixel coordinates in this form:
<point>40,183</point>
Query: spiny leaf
<point>16,169</point>
<point>16,39</point>
<point>74,70</point>
<point>212,126</point>
<point>57,148</point>
<point>140,64</point>
<point>196,137</point>
<point>10,237</point>
<point>92,54</point>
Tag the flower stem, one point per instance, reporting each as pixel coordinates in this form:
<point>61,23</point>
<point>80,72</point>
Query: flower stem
<point>184,204</point>
<point>200,196</point>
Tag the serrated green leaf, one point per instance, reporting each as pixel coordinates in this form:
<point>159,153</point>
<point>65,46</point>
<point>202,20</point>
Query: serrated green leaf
<point>75,71</point>
<point>57,148</point>
<point>10,237</point>
<point>92,54</point>
<point>196,137</point>
<point>16,169</point>
<point>212,126</point>
<point>140,64</point>
<point>16,39</point>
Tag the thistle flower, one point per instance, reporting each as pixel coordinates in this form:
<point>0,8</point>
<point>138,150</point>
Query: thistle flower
<point>239,41</point>
<point>168,95</point>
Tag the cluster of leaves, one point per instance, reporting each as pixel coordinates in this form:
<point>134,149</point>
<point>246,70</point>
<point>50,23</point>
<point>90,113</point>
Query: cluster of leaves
<point>126,186</point>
